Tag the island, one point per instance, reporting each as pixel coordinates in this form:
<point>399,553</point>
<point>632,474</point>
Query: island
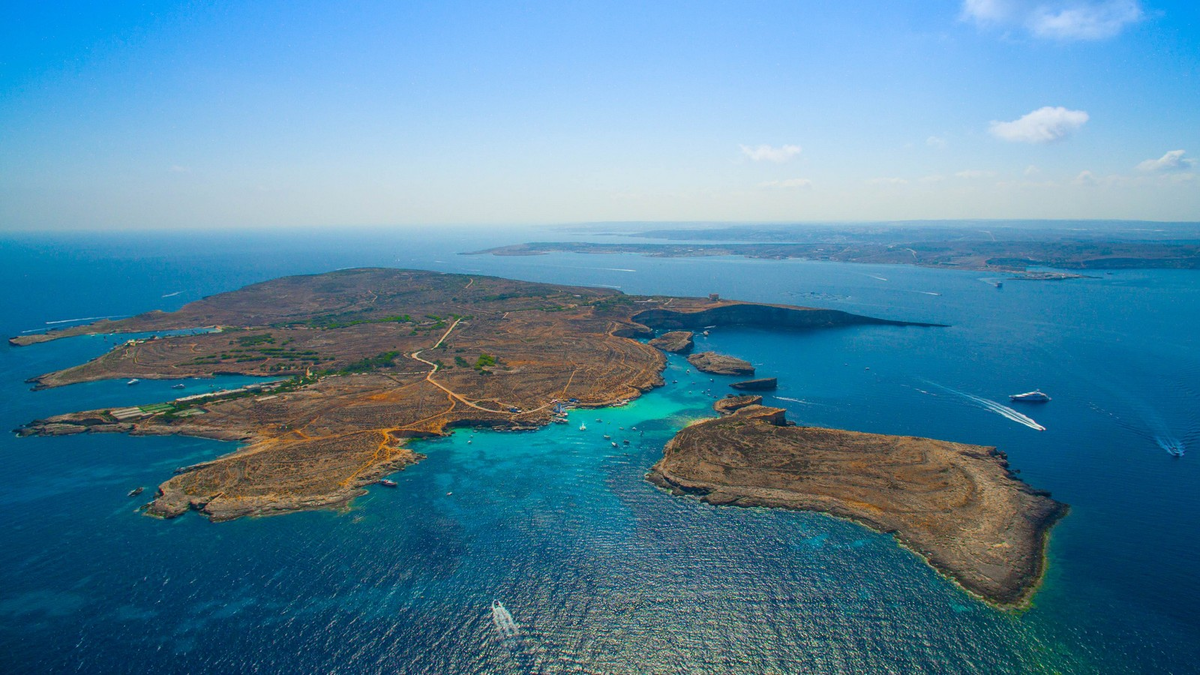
<point>720,364</point>
<point>675,341</point>
<point>956,505</point>
<point>364,360</point>
<point>760,384</point>
<point>1015,249</point>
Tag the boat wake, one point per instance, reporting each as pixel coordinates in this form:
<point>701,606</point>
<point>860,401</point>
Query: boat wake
<point>992,406</point>
<point>503,620</point>
<point>80,320</point>
<point>171,295</point>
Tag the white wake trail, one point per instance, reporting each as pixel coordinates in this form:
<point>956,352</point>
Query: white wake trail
<point>992,406</point>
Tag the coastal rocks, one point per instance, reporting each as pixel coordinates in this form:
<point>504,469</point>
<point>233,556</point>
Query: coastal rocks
<point>676,342</point>
<point>761,384</point>
<point>731,403</point>
<point>719,364</point>
<point>958,506</point>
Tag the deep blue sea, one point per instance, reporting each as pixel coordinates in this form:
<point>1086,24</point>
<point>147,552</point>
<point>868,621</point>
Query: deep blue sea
<point>603,572</point>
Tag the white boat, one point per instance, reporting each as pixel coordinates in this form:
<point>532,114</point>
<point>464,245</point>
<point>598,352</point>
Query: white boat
<point>503,620</point>
<point>582,426</point>
<point>133,381</point>
<point>1034,396</point>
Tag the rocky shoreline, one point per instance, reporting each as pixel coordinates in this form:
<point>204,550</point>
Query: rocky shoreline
<point>955,505</point>
<point>370,358</point>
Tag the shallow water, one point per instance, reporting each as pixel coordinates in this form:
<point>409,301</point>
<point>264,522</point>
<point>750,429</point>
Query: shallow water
<point>603,572</point>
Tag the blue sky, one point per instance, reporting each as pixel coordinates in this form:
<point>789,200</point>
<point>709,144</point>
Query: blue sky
<point>163,115</point>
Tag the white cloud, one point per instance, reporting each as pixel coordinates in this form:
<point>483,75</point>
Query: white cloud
<point>1172,161</point>
<point>887,181</point>
<point>1057,19</point>
<point>789,183</point>
<point>1086,178</point>
<point>975,173</point>
<point>936,142</point>
<point>1032,170</point>
<point>175,168</point>
<point>1044,125</point>
<point>934,178</point>
<point>770,153</point>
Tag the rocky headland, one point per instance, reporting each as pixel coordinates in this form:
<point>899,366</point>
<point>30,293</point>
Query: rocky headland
<point>956,505</point>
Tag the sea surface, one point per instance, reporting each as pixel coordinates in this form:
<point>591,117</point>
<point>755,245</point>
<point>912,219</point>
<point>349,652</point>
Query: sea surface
<point>603,572</point>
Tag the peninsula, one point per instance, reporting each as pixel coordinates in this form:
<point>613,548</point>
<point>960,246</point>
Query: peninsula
<point>955,505</point>
<point>369,358</point>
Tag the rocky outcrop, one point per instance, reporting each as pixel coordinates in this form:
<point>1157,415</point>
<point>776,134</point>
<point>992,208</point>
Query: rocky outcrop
<point>719,364</point>
<point>761,384</point>
<point>764,316</point>
<point>676,342</point>
<point>732,403</point>
<point>956,505</point>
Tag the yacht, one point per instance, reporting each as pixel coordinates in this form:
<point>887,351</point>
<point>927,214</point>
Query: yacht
<point>1034,396</point>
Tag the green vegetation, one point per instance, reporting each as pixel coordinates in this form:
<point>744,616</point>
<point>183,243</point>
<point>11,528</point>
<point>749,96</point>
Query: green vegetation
<point>461,362</point>
<point>252,340</point>
<point>347,319</point>
<point>384,360</point>
<point>485,360</point>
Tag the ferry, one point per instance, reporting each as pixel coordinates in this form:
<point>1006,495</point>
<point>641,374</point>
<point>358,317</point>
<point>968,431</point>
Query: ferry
<point>1034,396</point>
<point>387,483</point>
<point>133,382</point>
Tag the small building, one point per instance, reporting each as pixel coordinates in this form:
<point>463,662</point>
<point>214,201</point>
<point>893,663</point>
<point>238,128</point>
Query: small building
<point>715,297</point>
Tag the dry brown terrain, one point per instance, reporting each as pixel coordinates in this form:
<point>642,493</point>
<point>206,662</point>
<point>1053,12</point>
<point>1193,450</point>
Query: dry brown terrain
<point>720,364</point>
<point>370,358</point>
<point>956,505</point>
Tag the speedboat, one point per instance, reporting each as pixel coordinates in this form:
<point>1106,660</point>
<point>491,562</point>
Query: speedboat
<point>614,444</point>
<point>503,620</point>
<point>1034,396</point>
<point>582,426</point>
<point>133,381</point>
<point>607,437</point>
<point>178,386</point>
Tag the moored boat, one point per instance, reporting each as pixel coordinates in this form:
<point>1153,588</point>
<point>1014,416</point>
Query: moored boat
<point>387,483</point>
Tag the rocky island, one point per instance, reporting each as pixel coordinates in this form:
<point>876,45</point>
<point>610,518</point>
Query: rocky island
<point>676,341</point>
<point>720,364</point>
<point>367,359</point>
<point>955,505</point>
